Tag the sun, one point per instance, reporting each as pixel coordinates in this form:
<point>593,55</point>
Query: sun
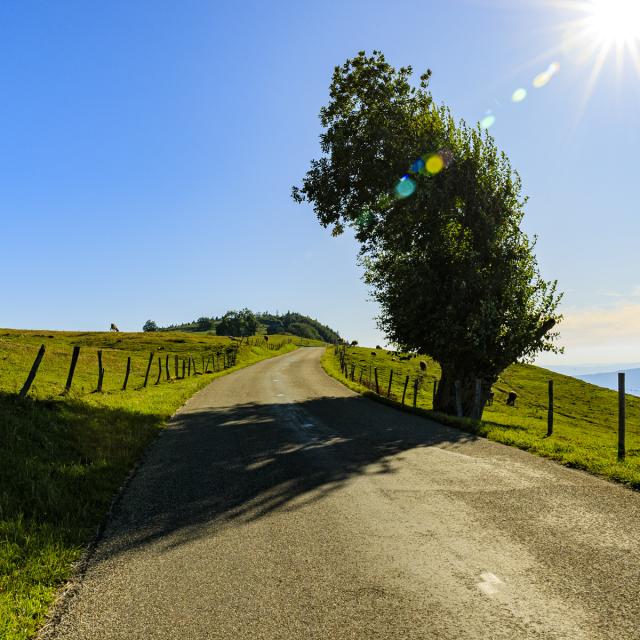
<point>614,21</point>
<point>597,31</point>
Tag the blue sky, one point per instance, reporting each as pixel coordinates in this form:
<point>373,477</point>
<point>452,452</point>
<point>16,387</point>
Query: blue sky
<point>149,148</point>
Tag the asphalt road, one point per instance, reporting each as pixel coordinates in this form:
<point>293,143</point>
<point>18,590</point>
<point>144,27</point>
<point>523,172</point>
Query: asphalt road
<point>279,504</point>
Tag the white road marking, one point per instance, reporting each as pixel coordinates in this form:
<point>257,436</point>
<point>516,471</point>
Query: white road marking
<point>490,584</point>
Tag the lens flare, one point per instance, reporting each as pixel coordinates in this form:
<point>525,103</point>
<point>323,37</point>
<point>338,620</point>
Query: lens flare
<point>417,166</point>
<point>554,67</point>
<point>405,187</point>
<point>543,79</point>
<point>435,164</point>
<point>519,95</point>
<point>488,121</point>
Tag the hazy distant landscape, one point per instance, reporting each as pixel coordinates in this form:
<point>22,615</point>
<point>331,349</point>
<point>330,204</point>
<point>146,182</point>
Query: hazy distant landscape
<point>609,380</point>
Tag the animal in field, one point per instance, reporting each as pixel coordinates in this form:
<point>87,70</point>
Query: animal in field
<point>114,328</point>
<point>423,365</point>
<point>511,399</point>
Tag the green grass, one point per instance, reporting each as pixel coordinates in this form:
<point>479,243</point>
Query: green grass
<point>585,416</point>
<point>63,457</point>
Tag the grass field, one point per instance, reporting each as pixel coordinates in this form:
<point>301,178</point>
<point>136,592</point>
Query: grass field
<point>585,422</point>
<point>63,457</point>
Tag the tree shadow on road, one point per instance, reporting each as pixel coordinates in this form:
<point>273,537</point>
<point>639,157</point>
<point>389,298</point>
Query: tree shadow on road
<point>226,467</point>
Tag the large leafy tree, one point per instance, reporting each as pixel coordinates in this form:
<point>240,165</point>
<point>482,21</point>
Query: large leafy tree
<point>437,210</point>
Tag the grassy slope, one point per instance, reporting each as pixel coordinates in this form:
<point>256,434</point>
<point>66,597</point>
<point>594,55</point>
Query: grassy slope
<point>585,424</point>
<point>62,458</point>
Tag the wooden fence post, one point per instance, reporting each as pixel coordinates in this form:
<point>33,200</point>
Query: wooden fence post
<point>621,417</point>
<point>100,372</point>
<point>415,392</point>
<point>458,398</point>
<point>361,374</point>
<point>477,399</point>
<point>175,366</point>
<point>189,366</point>
<point>550,410</point>
<point>184,364</point>
<point>166,365</point>
<point>404,391</point>
<point>353,372</point>
<point>390,381</point>
<point>159,369</point>
<point>435,390</point>
<point>126,375</point>
<point>375,373</point>
<point>146,375</point>
<point>72,368</point>
<point>32,373</point>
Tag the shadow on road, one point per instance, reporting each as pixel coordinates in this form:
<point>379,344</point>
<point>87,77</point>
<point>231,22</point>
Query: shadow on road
<point>226,467</point>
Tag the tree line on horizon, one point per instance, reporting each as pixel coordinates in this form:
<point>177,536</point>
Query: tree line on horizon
<point>244,323</point>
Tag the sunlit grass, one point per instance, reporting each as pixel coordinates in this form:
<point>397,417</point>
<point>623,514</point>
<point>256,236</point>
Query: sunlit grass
<point>585,416</point>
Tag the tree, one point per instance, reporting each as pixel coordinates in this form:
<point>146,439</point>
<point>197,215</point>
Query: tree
<point>204,324</point>
<point>150,325</point>
<point>237,323</point>
<point>437,210</point>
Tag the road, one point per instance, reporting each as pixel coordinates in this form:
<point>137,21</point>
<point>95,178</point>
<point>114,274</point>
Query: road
<point>280,505</point>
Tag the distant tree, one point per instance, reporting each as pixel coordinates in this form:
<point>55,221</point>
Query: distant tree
<point>276,327</point>
<point>237,323</point>
<point>354,343</point>
<point>150,325</point>
<point>304,330</point>
<point>437,210</point>
<point>204,324</point>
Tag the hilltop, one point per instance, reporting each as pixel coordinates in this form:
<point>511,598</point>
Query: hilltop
<point>290,323</point>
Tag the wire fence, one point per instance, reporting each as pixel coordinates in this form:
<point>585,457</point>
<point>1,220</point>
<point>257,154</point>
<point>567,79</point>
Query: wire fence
<point>411,382</point>
<point>117,370</point>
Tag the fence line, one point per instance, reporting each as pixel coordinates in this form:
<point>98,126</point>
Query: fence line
<point>349,367</point>
<point>220,358</point>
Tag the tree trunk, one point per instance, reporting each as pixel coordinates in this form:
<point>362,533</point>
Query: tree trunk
<point>445,399</point>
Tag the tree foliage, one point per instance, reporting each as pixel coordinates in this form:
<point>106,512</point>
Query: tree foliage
<point>237,323</point>
<point>150,325</point>
<point>437,210</point>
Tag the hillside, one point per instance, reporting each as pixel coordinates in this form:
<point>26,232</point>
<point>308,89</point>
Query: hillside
<point>586,416</point>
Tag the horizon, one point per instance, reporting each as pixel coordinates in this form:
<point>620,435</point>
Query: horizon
<point>150,152</point>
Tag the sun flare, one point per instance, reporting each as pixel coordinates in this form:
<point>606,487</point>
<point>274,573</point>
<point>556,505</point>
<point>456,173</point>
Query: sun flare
<point>614,21</point>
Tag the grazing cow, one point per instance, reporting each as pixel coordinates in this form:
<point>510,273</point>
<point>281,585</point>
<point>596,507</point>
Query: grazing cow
<point>114,328</point>
<point>490,398</point>
<point>511,399</point>
<point>373,353</point>
<point>423,365</point>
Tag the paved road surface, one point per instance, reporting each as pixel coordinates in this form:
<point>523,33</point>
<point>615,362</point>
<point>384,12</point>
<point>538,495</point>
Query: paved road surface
<point>281,505</point>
